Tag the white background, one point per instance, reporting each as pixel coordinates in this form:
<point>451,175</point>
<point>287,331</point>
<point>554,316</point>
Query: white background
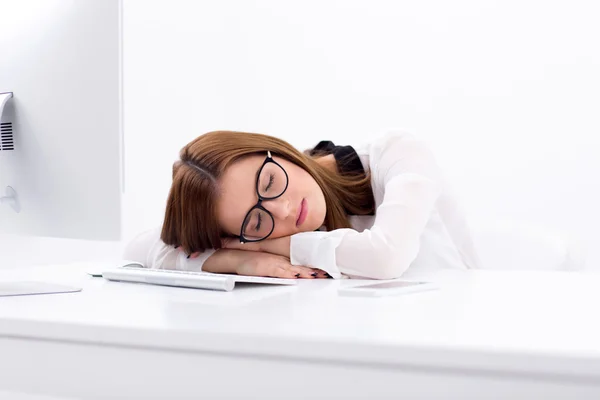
<point>506,92</point>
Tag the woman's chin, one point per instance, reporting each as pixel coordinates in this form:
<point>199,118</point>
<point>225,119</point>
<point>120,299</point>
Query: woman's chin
<point>308,226</point>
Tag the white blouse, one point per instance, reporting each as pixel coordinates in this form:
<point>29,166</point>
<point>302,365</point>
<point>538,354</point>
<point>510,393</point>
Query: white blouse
<point>418,225</point>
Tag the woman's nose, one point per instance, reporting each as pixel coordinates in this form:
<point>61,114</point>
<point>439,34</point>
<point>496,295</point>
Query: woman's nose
<point>280,208</point>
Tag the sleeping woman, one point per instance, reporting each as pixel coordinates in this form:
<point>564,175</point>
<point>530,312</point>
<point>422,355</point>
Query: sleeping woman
<point>252,204</point>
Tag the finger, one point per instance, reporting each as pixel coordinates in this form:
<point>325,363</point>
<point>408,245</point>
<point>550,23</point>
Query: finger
<point>194,255</point>
<point>305,272</point>
<point>309,272</point>
<point>281,271</point>
<point>285,272</point>
<point>272,269</point>
<point>322,274</point>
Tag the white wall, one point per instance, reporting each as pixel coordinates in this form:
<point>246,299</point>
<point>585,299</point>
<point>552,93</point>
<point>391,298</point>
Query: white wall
<point>506,92</point>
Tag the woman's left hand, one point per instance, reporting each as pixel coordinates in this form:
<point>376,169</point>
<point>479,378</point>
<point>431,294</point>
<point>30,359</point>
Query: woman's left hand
<point>280,246</point>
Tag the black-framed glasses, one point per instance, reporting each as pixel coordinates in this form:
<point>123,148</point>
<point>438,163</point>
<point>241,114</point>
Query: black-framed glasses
<point>271,183</point>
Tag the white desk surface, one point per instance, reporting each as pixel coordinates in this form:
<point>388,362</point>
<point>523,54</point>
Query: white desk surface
<point>519,322</point>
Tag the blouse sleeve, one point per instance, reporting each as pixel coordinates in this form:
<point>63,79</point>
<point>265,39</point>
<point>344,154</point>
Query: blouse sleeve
<point>406,169</point>
<point>148,249</point>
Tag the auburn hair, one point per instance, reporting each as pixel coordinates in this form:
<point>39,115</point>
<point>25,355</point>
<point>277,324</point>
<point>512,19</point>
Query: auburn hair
<point>191,212</point>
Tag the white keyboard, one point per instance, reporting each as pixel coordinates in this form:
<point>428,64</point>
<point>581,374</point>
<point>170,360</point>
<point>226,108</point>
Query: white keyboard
<point>189,279</point>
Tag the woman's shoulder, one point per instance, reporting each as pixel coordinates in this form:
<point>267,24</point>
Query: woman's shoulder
<point>397,151</point>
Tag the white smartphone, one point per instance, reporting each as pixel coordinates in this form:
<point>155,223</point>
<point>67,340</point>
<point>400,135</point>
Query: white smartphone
<point>386,288</point>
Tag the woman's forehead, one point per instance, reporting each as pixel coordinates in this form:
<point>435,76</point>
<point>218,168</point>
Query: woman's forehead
<point>241,169</point>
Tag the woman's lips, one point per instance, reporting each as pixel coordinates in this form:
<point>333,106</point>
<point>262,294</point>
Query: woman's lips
<point>303,213</point>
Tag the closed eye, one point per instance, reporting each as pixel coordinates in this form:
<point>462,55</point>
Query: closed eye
<point>257,227</point>
<point>271,180</point>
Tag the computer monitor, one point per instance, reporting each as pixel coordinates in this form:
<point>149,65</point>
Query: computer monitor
<point>61,147</point>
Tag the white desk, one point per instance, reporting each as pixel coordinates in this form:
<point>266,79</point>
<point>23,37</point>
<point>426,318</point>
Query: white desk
<point>483,335</point>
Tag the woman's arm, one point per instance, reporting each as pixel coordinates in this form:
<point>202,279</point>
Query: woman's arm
<point>253,263</point>
<point>279,246</point>
<point>412,181</point>
<point>387,249</point>
<point>148,249</point>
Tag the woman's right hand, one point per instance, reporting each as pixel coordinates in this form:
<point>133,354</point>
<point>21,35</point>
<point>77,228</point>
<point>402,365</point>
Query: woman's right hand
<point>257,263</point>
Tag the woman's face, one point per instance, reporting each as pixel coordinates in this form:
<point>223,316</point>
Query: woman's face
<point>300,208</point>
